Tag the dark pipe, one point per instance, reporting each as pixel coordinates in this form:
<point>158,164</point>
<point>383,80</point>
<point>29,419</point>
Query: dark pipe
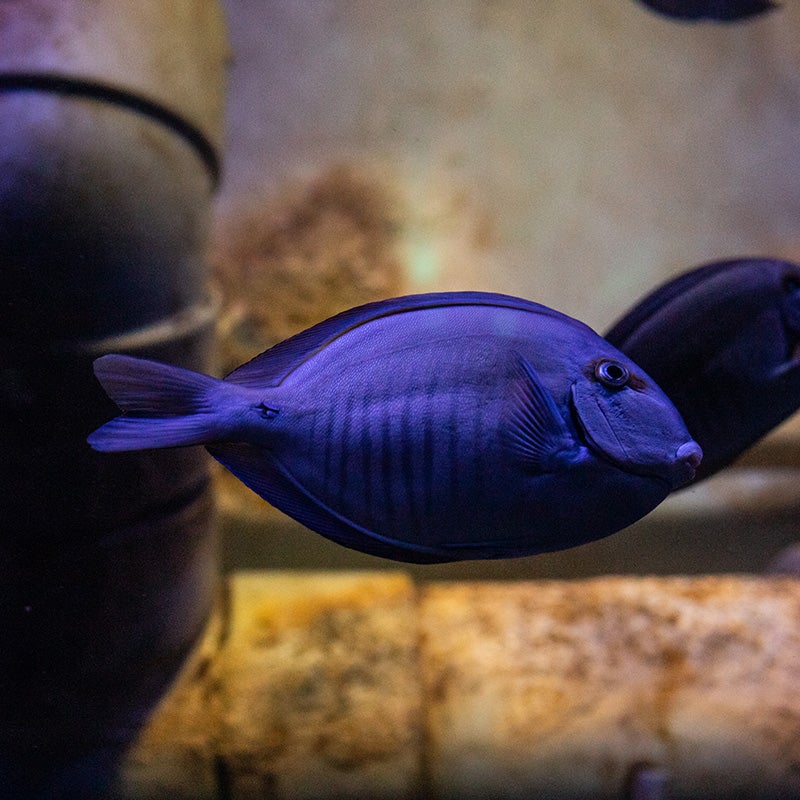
<point>58,84</point>
<point>108,565</point>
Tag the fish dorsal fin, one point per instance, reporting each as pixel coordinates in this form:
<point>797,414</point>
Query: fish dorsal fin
<point>272,366</point>
<point>536,430</point>
<point>619,332</point>
<point>738,270</point>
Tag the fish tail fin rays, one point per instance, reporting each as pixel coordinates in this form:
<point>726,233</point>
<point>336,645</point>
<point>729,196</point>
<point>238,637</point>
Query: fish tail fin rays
<point>162,405</point>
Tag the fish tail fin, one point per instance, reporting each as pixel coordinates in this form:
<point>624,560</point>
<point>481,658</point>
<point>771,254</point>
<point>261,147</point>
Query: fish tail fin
<point>162,405</point>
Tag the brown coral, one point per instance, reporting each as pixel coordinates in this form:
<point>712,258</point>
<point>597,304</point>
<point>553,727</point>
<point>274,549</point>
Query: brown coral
<point>316,248</point>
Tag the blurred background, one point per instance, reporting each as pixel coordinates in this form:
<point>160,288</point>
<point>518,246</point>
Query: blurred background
<point>196,181</point>
<point>574,154</point>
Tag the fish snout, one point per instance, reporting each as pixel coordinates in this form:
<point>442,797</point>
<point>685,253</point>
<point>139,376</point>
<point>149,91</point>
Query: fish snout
<point>687,459</point>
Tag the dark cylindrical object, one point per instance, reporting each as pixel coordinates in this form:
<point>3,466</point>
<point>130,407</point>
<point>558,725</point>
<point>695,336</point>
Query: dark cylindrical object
<point>110,117</point>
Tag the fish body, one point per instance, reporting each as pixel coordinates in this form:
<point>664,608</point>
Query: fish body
<point>426,428</point>
<point>723,341</point>
<point>715,10</point>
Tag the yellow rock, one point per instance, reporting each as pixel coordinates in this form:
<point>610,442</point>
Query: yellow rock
<point>356,685</point>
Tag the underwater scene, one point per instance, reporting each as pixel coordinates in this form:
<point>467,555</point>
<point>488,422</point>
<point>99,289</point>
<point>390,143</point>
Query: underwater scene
<point>400,399</point>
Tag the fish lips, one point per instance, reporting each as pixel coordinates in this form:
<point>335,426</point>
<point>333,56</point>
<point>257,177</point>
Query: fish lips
<point>630,430</point>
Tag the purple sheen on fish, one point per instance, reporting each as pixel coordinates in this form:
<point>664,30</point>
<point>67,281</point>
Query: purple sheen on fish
<point>723,341</point>
<point>714,10</point>
<point>426,428</point>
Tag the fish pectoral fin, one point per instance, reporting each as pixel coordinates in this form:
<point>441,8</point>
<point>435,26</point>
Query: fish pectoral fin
<point>537,433</point>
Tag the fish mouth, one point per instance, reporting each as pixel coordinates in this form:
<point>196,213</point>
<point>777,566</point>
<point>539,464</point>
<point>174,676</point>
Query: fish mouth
<point>688,458</point>
<point>677,473</point>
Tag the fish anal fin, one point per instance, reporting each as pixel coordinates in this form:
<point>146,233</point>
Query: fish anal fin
<point>536,431</point>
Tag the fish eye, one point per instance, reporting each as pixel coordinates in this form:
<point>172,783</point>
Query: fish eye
<point>611,373</point>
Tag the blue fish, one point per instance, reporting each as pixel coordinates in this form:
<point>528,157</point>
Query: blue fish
<point>715,10</point>
<point>426,428</point>
<point>723,341</point>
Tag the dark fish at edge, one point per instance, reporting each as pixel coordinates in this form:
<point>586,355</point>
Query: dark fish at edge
<point>714,10</point>
<point>723,341</point>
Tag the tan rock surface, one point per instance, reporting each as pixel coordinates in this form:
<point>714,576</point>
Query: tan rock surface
<point>357,685</point>
<point>560,689</point>
<point>318,687</point>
